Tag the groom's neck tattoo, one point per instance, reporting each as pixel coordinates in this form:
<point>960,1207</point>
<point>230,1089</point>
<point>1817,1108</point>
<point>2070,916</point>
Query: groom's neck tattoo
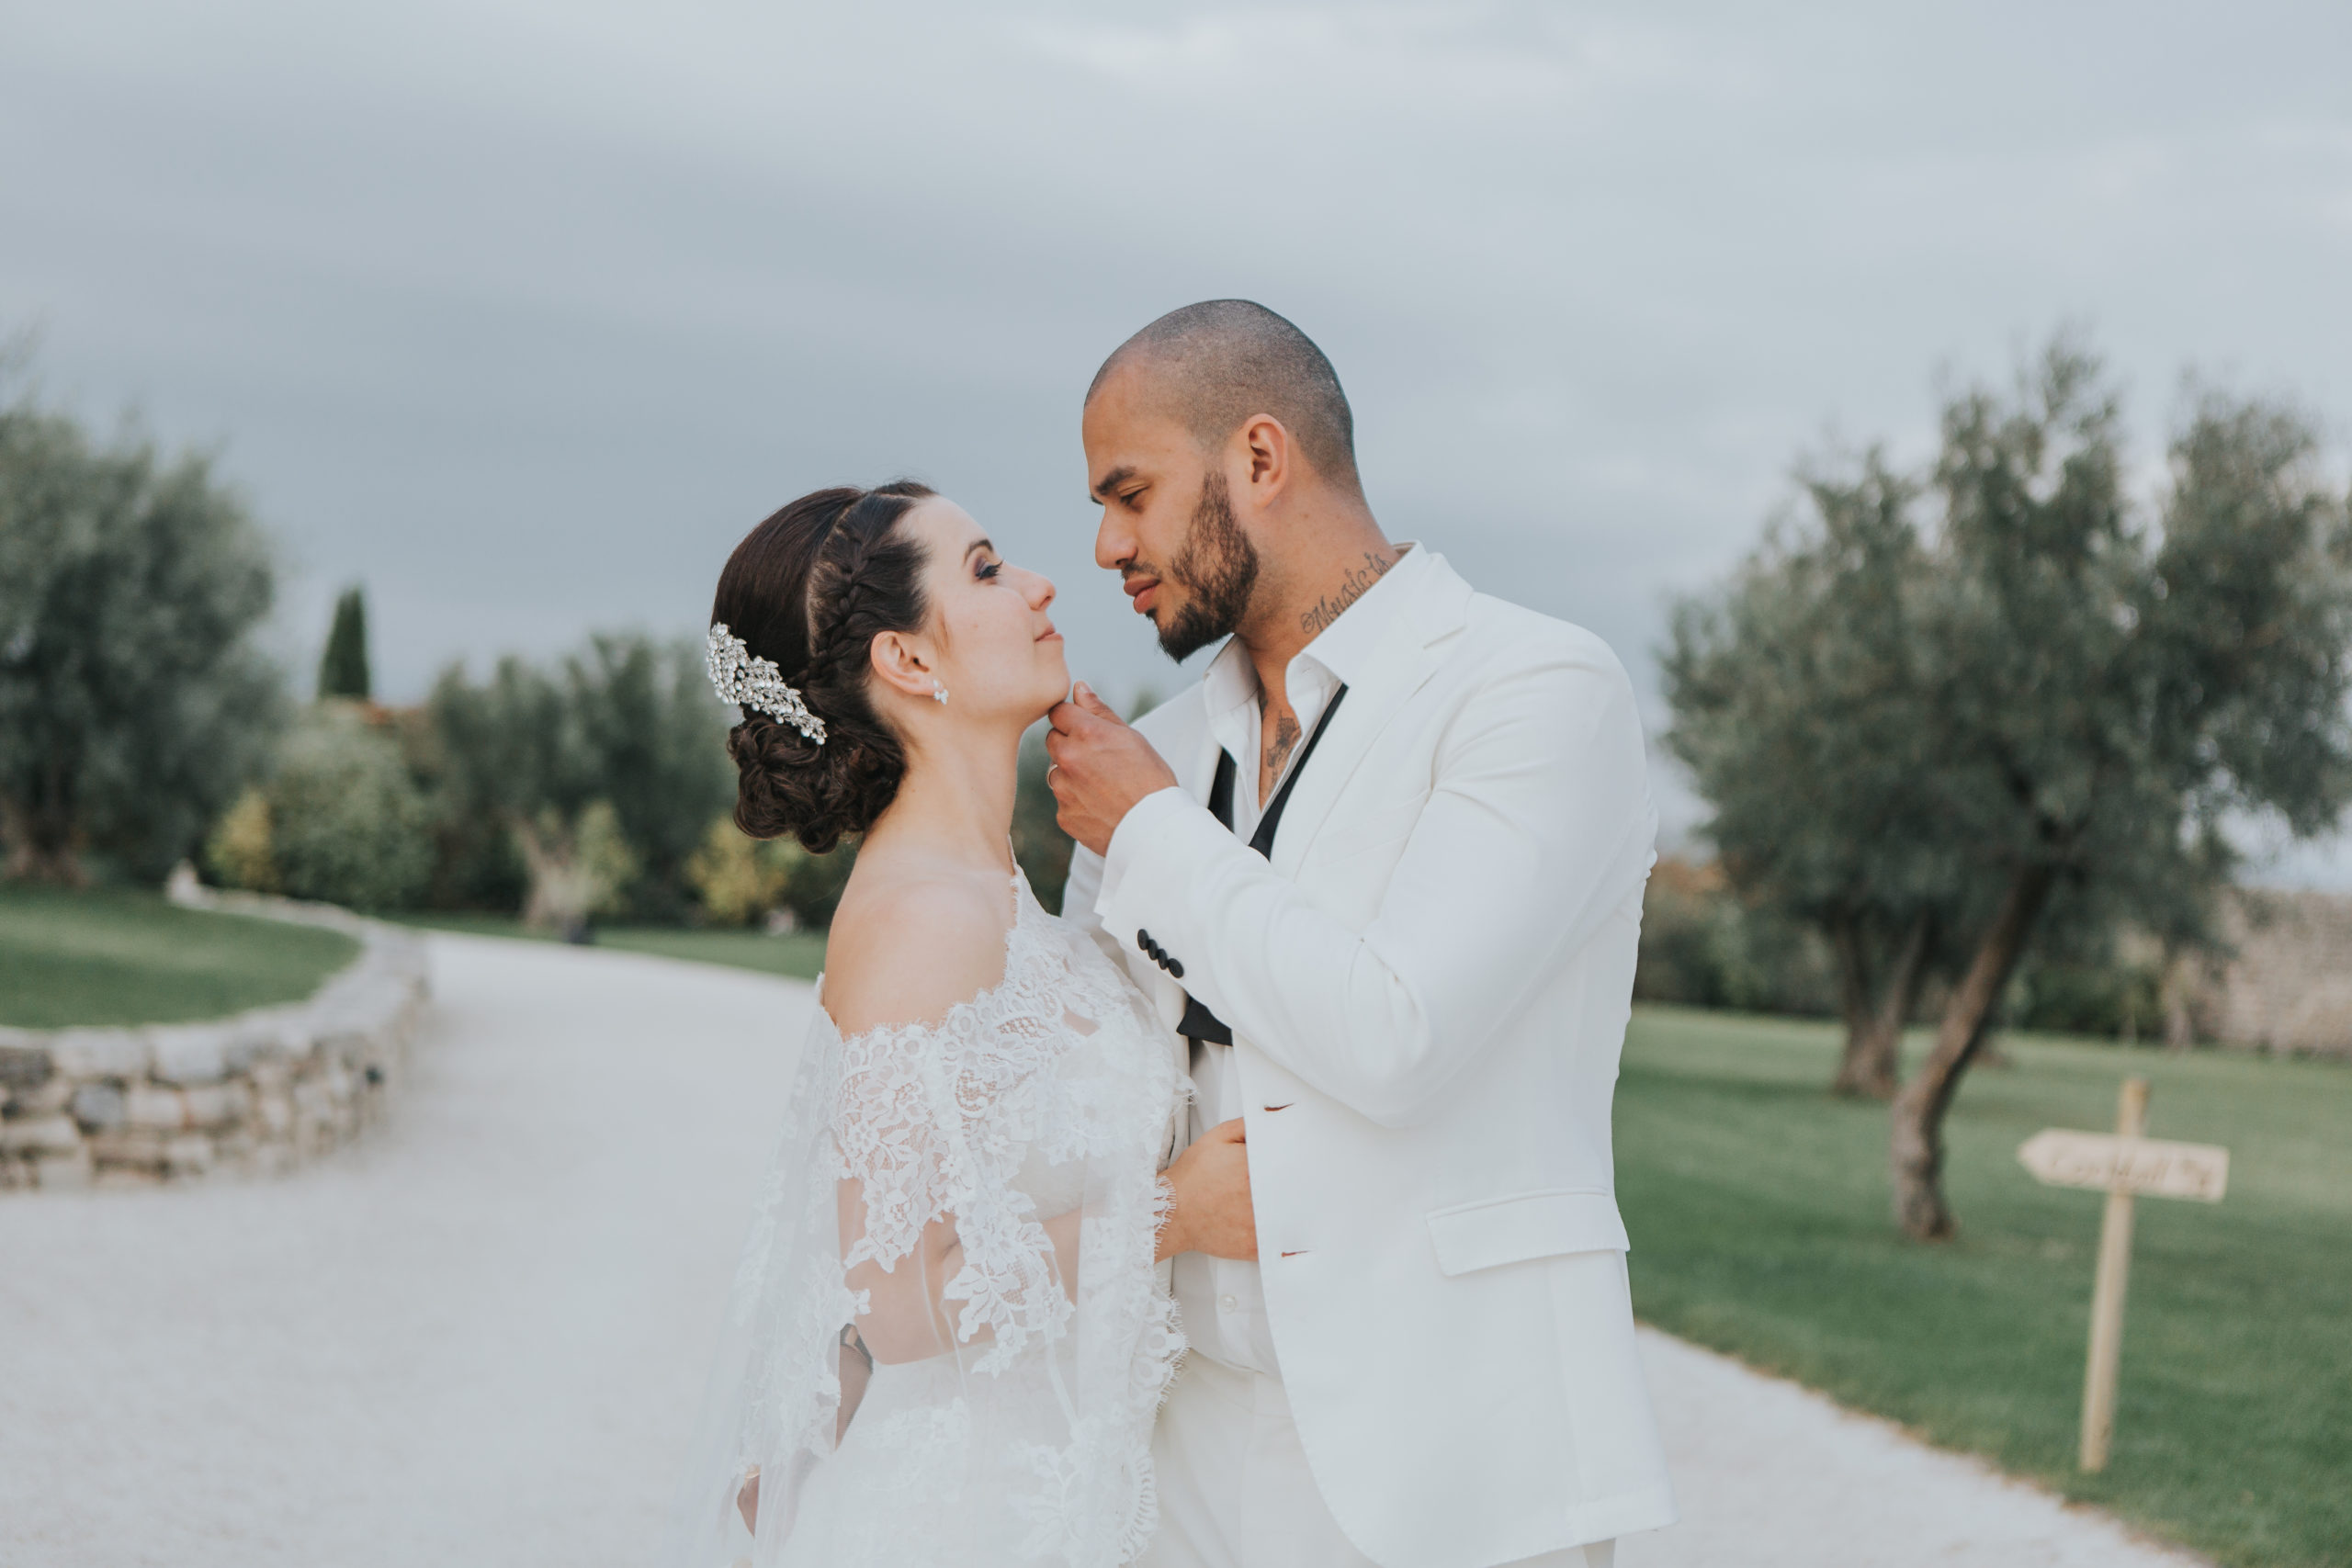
<point>1351,588</point>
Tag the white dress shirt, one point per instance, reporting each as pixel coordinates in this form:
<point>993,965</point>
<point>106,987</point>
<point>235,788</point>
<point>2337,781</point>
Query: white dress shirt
<point>1223,1299</point>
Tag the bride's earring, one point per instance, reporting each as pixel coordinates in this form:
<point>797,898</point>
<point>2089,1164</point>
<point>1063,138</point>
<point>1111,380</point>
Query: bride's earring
<point>940,692</point>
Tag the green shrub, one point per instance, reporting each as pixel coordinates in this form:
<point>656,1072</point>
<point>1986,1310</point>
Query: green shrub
<point>2119,999</point>
<point>136,702</point>
<point>1702,947</point>
<point>734,882</point>
<point>346,823</point>
<point>238,852</point>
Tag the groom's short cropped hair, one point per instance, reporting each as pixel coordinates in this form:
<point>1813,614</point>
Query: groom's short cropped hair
<point>1215,364</point>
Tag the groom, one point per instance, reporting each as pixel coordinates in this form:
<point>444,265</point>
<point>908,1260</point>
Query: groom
<point>1382,870</point>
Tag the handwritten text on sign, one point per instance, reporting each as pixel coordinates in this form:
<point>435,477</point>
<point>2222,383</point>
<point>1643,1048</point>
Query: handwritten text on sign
<point>2143,1165</point>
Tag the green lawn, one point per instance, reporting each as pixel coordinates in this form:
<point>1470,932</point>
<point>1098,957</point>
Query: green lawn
<point>1761,1223</point>
<point>799,956</point>
<point>114,956</point>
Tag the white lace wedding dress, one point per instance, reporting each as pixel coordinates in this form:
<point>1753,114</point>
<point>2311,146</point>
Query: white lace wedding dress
<point>995,1178</point>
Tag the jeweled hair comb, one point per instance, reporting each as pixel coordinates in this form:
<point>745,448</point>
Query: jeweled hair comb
<point>740,676</point>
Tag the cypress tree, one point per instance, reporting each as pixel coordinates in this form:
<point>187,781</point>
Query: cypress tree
<point>342,668</point>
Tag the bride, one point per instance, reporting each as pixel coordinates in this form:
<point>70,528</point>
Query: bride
<point>949,1334</point>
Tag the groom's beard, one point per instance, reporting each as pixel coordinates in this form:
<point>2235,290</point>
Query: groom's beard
<point>1218,569</point>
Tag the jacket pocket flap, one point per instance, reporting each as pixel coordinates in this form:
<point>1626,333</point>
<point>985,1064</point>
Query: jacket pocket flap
<point>1524,1225</point>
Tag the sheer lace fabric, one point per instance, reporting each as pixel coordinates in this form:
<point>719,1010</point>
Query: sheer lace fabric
<point>979,1197</point>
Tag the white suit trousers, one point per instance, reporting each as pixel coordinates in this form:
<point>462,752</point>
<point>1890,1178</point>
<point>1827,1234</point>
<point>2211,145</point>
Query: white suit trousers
<point>1234,1487</point>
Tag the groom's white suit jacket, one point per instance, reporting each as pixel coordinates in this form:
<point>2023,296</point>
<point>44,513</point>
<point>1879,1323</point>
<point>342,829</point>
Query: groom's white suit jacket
<point>1427,989</point>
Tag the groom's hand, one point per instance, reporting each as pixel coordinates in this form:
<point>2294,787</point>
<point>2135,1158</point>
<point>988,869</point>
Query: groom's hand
<point>1211,1212</point>
<point>1100,768</point>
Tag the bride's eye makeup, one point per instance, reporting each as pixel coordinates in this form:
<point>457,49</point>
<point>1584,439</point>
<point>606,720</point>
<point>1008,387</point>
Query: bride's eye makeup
<point>989,568</point>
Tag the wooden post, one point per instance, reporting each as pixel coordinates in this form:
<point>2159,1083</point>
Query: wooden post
<point>2106,1294</point>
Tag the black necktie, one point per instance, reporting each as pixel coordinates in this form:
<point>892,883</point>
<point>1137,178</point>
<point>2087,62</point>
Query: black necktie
<point>1198,1022</point>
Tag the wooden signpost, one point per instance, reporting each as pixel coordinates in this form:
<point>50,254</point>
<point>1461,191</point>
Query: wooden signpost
<point>2124,1166</point>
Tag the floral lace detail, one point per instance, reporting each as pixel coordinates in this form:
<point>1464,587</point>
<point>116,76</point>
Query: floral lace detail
<point>1029,1440</point>
<point>934,1120</point>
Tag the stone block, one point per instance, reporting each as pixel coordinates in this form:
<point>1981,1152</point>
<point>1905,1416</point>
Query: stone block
<point>62,1172</point>
<point>129,1148</point>
<point>100,1052</point>
<point>148,1106</point>
<point>274,1112</point>
<point>46,1100</point>
<point>190,1154</point>
<point>99,1107</point>
<point>24,1065</point>
<point>41,1135</point>
<point>264,1035</point>
<point>191,1054</point>
<point>217,1105</point>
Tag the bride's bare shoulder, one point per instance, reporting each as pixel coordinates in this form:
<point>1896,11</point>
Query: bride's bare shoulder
<point>908,945</point>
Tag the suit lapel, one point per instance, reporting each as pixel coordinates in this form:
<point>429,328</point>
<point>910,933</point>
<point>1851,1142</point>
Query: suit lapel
<point>1403,660</point>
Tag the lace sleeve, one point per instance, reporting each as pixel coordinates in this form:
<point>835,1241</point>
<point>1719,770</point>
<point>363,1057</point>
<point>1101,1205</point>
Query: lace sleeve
<point>931,1124</point>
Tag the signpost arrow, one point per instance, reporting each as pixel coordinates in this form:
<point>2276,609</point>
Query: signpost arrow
<point>2142,1166</point>
<point>2123,1165</point>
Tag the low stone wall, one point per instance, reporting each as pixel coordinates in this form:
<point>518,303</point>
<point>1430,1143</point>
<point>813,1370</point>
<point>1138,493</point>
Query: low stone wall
<point>253,1094</point>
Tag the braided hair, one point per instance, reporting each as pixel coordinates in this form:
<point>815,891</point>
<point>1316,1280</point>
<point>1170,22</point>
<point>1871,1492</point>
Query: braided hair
<point>810,588</point>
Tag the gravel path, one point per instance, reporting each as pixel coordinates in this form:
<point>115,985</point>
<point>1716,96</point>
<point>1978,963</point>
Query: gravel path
<point>1771,1475</point>
<point>479,1335</point>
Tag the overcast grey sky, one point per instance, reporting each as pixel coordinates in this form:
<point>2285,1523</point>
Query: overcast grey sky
<point>522,312</point>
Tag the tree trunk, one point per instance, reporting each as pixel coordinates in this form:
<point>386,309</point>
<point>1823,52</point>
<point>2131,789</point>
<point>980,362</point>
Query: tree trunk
<point>1916,1145</point>
<point>561,889</point>
<point>2179,979</point>
<point>39,838</point>
<point>1846,942</point>
<point>1870,1065</point>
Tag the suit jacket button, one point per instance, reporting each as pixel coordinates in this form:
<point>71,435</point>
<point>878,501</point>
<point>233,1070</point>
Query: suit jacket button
<point>1176,967</point>
<point>1143,941</point>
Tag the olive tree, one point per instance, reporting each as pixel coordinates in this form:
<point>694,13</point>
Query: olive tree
<point>134,703</point>
<point>2023,716</point>
<point>2109,687</point>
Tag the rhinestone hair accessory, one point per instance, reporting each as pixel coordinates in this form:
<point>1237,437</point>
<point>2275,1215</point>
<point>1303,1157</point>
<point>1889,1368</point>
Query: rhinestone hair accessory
<point>739,676</point>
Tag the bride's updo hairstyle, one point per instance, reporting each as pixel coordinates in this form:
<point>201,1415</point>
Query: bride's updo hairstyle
<point>810,588</point>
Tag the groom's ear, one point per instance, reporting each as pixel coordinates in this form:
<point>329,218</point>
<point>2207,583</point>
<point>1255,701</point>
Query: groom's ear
<point>1265,447</point>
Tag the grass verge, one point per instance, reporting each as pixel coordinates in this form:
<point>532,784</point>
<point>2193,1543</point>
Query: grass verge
<point>799,956</point>
<point>1761,1227</point>
<point>117,956</point>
